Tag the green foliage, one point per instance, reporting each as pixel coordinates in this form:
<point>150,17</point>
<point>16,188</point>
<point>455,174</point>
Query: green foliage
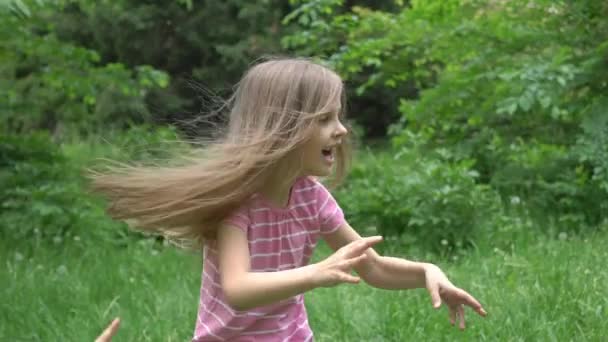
<point>592,147</point>
<point>45,197</point>
<point>517,86</point>
<point>141,143</point>
<point>204,45</point>
<point>328,28</point>
<point>177,37</point>
<point>551,179</point>
<point>15,7</point>
<point>50,84</point>
<point>426,200</point>
<point>42,198</point>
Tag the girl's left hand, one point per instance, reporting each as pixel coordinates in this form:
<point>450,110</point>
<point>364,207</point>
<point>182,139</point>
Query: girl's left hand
<point>442,290</point>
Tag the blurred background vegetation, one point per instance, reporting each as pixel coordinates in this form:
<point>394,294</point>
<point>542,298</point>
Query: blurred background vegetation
<point>480,123</point>
<point>483,108</point>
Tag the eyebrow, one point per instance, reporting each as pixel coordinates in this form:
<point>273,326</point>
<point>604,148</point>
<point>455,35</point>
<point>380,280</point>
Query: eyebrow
<point>331,111</point>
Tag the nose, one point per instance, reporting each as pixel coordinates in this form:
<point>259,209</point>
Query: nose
<point>340,130</point>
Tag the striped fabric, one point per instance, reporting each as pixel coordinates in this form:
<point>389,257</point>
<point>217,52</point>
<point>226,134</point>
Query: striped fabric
<point>279,239</point>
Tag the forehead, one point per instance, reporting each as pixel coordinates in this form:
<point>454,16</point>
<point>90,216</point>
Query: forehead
<point>331,110</point>
<point>334,106</point>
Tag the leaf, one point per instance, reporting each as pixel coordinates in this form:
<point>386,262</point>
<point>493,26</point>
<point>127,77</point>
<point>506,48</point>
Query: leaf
<point>90,100</point>
<point>512,108</point>
<point>545,102</point>
<point>525,102</point>
<point>19,8</point>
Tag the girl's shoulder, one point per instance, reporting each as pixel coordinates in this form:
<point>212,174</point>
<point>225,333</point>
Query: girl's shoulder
<point>308,185</point>
<point>303,189</point>
<point>316,182</point>
<point>307,181</point>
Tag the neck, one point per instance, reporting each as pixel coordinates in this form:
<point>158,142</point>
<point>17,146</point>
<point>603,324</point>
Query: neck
<point>278,189</point>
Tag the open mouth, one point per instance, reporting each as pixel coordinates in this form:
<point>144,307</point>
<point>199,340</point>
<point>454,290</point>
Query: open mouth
<point>328,154</point>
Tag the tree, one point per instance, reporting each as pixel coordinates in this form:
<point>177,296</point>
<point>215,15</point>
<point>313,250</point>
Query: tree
<point>519,86</point>
<point>50,84</point>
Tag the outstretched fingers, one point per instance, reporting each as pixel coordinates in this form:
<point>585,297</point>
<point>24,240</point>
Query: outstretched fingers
<point>350,263</point>
<point>460,314</point>
<point>348,278</point>
<point>456,299</point>
<point>360,246</point>
<point>347,266</point>
<point>473,303</point>
<point>435,297</point>
<point>456,313</point>
<point>452,313</point>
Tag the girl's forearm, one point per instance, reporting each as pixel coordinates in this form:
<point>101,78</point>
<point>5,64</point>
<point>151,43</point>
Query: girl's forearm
<point>256,289</point>
<point>395,274</point>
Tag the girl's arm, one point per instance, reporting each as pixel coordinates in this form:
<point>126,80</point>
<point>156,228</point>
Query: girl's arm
<point>245,289</point>
<point>396,273</point>
<point>380,271</point>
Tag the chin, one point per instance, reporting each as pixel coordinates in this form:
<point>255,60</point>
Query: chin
<point>317,173</point>
<point>323,173</point>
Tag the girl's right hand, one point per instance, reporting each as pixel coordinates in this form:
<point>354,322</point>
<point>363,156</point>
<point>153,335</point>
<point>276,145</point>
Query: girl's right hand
<point>337,267</point>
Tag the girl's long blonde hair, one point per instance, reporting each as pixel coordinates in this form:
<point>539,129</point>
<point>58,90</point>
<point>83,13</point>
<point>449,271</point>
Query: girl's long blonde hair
<point>270,115</point>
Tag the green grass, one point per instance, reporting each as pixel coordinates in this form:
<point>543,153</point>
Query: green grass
<point>544,291</point>
<point>547,291</point>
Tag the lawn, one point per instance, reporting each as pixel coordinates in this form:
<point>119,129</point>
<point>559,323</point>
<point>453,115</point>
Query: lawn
<point>547,290</point>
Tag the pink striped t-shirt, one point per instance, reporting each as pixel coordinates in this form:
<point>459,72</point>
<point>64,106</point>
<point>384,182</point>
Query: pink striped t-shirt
<point>279,239</point>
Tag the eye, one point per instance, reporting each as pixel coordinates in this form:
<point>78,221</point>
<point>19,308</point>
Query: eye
<point>324,118</point>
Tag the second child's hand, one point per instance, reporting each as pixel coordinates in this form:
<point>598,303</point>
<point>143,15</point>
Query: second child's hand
<point>443,291</point>
<point>106,335</point>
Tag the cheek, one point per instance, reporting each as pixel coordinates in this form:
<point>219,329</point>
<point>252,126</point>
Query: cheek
<point>312,153</point>
<point>305,151</point>
<point>313,145</point>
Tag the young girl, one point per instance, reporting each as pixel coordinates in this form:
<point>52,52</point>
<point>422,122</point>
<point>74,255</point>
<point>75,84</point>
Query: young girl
<point>254,203</point>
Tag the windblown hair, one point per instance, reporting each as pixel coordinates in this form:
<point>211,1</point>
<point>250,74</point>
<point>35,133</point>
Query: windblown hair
<point>270,116</point>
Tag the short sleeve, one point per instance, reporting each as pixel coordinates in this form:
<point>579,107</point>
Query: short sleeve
<point>239,218</point>
<point>330,214</point>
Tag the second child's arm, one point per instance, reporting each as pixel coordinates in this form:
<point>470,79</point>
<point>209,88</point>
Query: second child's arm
<point>245,289</point>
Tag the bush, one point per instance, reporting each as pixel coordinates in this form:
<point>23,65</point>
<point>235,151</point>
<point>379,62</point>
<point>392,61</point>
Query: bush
<point>49,84</point>
<point>45,195</point>
<point>552,182</point>
<point>518,87</point>
<point>422,199</point>
<point>136,143</point>
<point>41,196</point>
